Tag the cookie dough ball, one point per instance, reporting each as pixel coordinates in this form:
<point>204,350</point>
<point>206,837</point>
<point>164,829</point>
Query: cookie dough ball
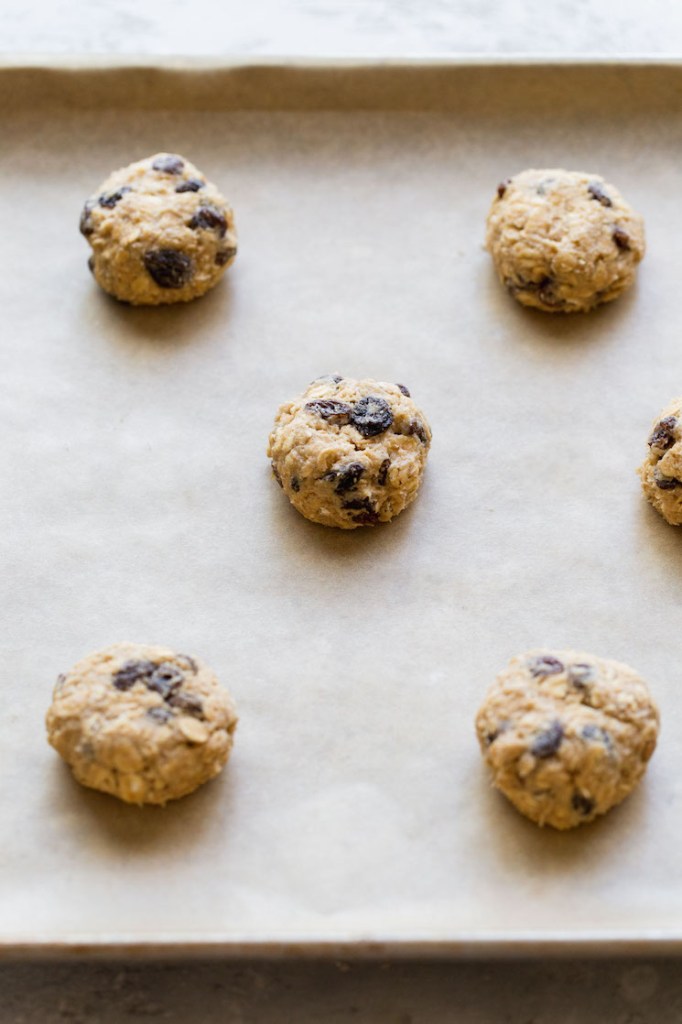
<point>563,241</point>
<point>567,735</point>
<point>350,453</point>
<point>661,471</point>
<point>159,231</point>
<point>142,723</point>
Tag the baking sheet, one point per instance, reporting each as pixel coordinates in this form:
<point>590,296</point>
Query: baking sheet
<point>137,503</point>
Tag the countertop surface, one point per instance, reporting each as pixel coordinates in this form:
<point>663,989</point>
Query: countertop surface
<point>335,27</point>
<point>560,992</point>
<point>598,992</point>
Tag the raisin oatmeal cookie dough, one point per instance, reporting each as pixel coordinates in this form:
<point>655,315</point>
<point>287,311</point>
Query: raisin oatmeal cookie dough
<point>159,231</point>
<point>142,723</point>
<point>350,453</point>
<point>567,735</point>
<point>563,241</point>
<point>661,471</point>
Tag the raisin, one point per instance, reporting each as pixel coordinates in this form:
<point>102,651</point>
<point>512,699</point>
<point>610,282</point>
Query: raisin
<point>360,504</point>
<point>132,671</point>
<point>548,741</point>
<point>382,476</point>
<point>366,518</point>
<point>595,732</point>
<point>621,238</point>
<point>223,256</point>
<point>542,186</point>
<point>405,391</point>
<point>662,436</point>
<point>91,264</point>
<point>347,477</point>
<point>85,223</point>
<point>187,662</point>
<point>275,473</point>
<point>545,665</point>
<point>582,804</point>
<point>490,737</point>
<point>61,679</point>
<point>169,164</point>
<point>159,714</point>
<point>295,484</point>
<point>544,290</point>
<point>168,267</point>
<point>109,199</point>
<point>337,413</point>
<point>187,702</point>
<point>191,185</point>
<point>371,416</point>
<point>580,674</point>
<point>665,483</point>
<point>502,187</point>
<point>211,218</point>
<point>596,190</point>
<point>417,428</point>
<point>165,678</point>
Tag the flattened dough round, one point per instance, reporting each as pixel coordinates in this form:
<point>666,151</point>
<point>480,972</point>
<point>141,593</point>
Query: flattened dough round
<point>563,241</point>
<point>661,471</point>
<point>350,453</point>
<point>566,734</point>
<point>143,723</point>
<point>159,231</point>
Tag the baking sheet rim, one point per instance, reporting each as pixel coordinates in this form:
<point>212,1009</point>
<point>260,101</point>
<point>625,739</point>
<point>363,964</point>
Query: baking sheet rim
<point>296,83</point>
<point>77,62</point>
<point>295,947</point>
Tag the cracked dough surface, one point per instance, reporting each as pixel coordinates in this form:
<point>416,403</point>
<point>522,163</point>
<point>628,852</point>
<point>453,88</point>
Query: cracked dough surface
<point>143,723</point>
<point>566,734</point>
<point>563,241</point>
<point>159,232</point>
<point>350,453</point>
<point>661,471</point>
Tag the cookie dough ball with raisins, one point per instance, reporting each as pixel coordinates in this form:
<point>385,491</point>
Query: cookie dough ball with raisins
<point>350,453</point>
<point>142,723</point>
<point>661,471</point>
<point>563,241</point>
<point>567,735</point>
<point>159,231</point>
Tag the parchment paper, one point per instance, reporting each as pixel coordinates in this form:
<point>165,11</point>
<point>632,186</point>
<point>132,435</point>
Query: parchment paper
<point>137,503</point>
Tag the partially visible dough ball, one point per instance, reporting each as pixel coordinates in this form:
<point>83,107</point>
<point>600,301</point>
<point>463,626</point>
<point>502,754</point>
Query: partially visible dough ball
<point>661,471</point>
<point>159,231</point>
<point>143,723</point>
<point>567,735</point>
<point>563,241</point>
<point>350,453</point>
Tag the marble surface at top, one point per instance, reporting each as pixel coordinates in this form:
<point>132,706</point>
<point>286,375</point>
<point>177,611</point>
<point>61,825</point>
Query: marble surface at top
<point>341,27</point>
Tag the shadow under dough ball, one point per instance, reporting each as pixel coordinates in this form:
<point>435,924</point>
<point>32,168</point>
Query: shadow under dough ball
<point>567,735</point>
<point>563,241</point>
<point>661,471</point>
<point>350,453</point>
<point>145,724</point>
<point>159,231</point>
